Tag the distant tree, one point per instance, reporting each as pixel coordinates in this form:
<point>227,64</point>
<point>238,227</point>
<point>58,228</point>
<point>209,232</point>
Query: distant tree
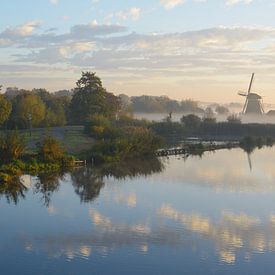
<point>12,92</point>
<point>209,120</point>
<point>191,121</point>
<point>221,110</point>
<point>91,98</point>
<point>5,109</point>
<point>190,105</point>
<point>208,113</point>
<point>63,93</point>
<point>234,119</point>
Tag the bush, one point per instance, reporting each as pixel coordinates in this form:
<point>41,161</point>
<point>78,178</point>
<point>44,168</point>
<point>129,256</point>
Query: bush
<point>96,126</point>
<point>191,121</point>
<point>134,142</point>
<point>50,150</point>
<point>12,147</point>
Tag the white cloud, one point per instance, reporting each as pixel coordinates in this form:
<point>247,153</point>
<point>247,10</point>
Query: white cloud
<point>235,2</point>
<point>132,13</point>
<point>23,30</point>
<point>170,4</point>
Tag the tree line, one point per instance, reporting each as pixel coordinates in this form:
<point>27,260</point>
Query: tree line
<point>21,109</point>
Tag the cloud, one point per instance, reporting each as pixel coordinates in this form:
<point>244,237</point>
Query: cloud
<point>168,58</point>
<point>170,4</point>
<point>235,2</point>
<point>54,2</point>
<point>23,30</point>
<point>132,13</point>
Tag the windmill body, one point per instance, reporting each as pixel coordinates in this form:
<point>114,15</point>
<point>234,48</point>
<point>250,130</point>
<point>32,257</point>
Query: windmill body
<point>253,103</point>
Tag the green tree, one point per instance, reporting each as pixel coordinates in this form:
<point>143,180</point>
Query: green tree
<point>5,109</point>
<point>91,98</point>
<point>55,114</point>
<point>28,107</point>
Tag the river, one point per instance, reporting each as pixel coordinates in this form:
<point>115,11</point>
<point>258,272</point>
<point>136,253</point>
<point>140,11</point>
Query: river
<point>213,214</point>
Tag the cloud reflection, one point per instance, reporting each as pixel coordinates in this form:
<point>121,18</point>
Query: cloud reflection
<point>230,234</point>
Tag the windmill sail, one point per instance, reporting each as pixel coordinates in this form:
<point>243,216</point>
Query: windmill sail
<point>253,104</point>
<point>251,82</point>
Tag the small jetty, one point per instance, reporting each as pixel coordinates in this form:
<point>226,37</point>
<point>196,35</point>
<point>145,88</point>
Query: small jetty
<point>201,147</point>
<point>171,152</point>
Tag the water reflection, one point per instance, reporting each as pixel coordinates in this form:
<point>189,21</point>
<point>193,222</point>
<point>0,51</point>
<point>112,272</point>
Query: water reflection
<point>13,191</point>
<point>46,184</point>
<point>211,209</point>
<point>87,181</point>
<point>230,234</point>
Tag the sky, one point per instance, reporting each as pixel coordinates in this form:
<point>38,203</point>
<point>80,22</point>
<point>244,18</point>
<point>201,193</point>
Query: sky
<point>200,49</point>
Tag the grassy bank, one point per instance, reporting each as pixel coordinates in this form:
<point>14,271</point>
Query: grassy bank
<point>71,138</point>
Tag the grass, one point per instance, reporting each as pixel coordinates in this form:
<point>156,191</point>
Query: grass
<point>72,138</point>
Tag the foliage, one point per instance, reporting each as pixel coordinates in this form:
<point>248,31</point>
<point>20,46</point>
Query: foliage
<point>50,151</point>
<point>5,109</point>
<point>221,110</point>
<point>28,108</point>
<point>55,114</point>
<point>135,143</point>
<point>91,98</point>
<point>191,121</point>
<point>234,119</point>
<point>121,139</point>
<point>209,113</point>
<point>12,147</point>
<point>97,125</point>
<point>158,104</point>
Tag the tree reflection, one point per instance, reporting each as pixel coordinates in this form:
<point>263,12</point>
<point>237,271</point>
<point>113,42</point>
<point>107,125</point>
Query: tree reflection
<point>47,184</point>
<point>132,169</point>
<point>13,191</point>
<point>88,181</point>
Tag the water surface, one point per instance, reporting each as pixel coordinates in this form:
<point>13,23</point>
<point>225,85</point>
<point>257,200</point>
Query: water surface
<point>213,214</point>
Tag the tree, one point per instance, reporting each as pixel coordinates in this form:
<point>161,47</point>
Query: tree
<point>28,108</point>
<point>5,109</point>
<point>234,119</point>
<point>221,110</point>
<point>209,113</point>
<point>191,121</point>
<point>91,98</point>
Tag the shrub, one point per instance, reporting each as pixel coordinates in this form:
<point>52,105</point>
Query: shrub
<point>96,126</point>
<point>12,147</point>
<point>191,121</point>
<point>50,150</point>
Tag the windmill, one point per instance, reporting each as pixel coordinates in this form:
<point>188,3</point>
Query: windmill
<point>253,102</point>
